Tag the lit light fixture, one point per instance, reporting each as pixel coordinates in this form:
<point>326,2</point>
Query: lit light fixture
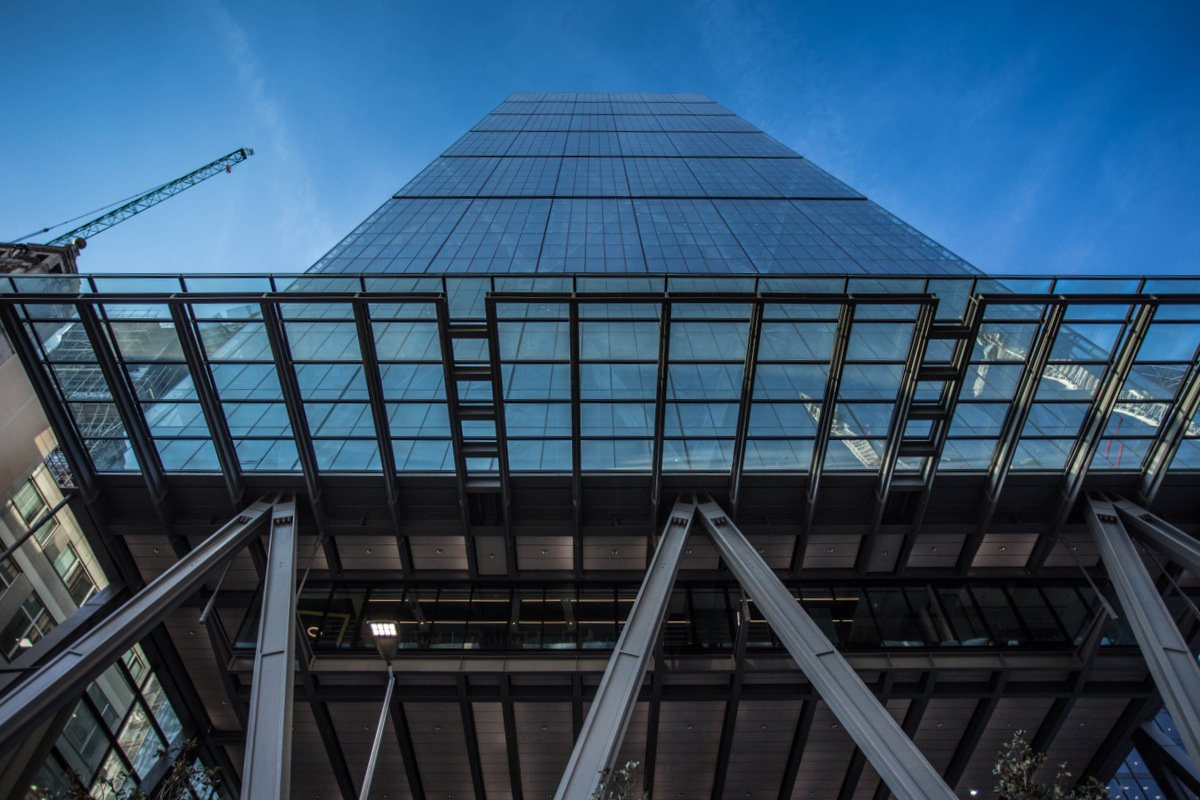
<point>974,793</point>
<point>386,634</point>
<point>387,637</point>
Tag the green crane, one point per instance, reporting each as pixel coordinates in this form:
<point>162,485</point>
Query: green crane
<point>151,198</point>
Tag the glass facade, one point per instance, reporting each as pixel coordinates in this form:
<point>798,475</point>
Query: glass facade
<point>599,291</point>
<point>616,324</point>
<point>650,185</point>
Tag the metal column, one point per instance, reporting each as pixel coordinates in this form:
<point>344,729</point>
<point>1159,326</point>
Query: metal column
<point>1176,673</point>
<point>889,749</point>
<point>268,769</point>
<point>1163,535</point>
<point>604,727</point>
<point>66,675</point>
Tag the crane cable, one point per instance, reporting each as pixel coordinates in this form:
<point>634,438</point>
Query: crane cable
<point>90,213</point>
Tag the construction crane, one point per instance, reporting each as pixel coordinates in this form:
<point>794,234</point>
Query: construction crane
<point>151,198</point>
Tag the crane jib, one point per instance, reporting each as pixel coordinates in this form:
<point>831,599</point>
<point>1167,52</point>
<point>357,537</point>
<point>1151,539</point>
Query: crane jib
<point>152,198</point>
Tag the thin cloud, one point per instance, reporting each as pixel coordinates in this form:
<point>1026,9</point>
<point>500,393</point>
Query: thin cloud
<point>301,234</point>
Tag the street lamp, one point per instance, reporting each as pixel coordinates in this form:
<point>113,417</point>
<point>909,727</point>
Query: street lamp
<point>386,634</point>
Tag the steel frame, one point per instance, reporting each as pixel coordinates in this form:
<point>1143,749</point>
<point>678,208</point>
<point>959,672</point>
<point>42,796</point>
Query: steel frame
<point>1159,751</point>
<point>890,751</point>
<point>1014,424</point>
<point>599,740</point>
<point>383,434</point>
<point>268,762</point>
<point>837,365</point>
<point>129,410</point>
<point>1170,435</point>
<point>408,753</point>
<point>210,403</point>
<point>1176,673</point>
<point>67,674</point>
<point>1092,430</point>
<point>293,400</point>
<point>1163,535</point>
<point>660,415</point>
<point>749,371</point>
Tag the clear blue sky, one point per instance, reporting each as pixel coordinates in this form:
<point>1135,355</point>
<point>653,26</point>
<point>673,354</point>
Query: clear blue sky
<point>1039,137</point>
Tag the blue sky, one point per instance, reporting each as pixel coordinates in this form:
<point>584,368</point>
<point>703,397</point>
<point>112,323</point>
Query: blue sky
<point>1039,137</point>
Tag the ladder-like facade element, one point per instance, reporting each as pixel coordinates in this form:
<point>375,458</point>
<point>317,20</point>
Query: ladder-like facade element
<point>929,390</point>
<point>474,392</point>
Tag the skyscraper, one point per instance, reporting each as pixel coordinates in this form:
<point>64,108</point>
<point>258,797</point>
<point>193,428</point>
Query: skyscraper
<point>594,323</point>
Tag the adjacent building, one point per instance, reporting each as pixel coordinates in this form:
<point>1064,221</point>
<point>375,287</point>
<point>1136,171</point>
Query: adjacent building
<point>492,413</point>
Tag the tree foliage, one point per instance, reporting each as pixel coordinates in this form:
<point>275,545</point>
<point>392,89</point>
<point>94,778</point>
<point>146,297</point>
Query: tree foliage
<point>618,783</point>
<point>1016,765</point>
<point>185,771</point>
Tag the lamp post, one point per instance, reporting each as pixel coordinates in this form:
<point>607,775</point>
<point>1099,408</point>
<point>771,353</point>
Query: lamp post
<point>387,641</point>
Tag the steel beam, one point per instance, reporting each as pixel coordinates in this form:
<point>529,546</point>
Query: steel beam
<point>1010,431</point>
<point>576,448</point>
<point>729,723</point>
<point>34,528</point>
<point>20,765</point>
<point>1168,539</point>
<point>61,637</point>
<point>912,722</point>
<point>62,422</point>
<point>293,402</point>
<point>1155,746</point>
<point>68,674</point>
<point>494,362</point>
<point>1094,424</point>
<point>743,423</point>
<point>210,402</point>
<point>130,411</point>
<point>268,762</point>
<point>652,722</point>
<point>976,726</point>
<point>660,413</point>
<point>471,737</point>
<point>837,364</point>
<point>407,753</point>
<point>383,433</point>
<point>905,393</point>
<point>1116,745</point>
<point>510,738</point>
<point>791,768</point>
<point>1175,671</point>
<point>893,754</point>
<point>1170,435</point>
<point>600,740</point>
<point>321,716</point>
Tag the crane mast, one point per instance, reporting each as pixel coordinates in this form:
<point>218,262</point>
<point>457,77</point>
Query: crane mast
<point>152,198</point>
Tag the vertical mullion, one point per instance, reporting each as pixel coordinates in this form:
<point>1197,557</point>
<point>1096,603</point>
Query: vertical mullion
<point>383,434</point>
<point>660,410</point>
<point>837,364</point>
<point>124,398</point>
<point>743,422</point>
<point>576,445</point>
<point>210,403</point>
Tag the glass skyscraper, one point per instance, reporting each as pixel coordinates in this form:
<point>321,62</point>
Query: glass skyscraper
<point>488,397</point>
